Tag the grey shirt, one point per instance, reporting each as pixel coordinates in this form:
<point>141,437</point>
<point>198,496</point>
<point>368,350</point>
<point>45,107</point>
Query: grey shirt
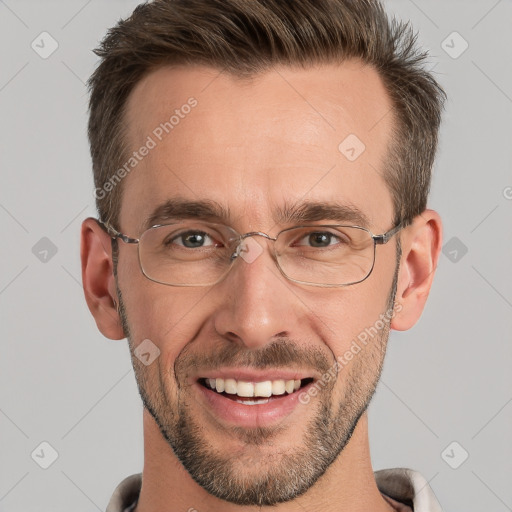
<point>405,489</point>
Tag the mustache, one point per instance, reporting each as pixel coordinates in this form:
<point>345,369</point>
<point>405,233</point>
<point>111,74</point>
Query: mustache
<point>277,354</point>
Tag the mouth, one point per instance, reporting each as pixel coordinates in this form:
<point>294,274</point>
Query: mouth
<point>254,393</point>
<point>249,399</point>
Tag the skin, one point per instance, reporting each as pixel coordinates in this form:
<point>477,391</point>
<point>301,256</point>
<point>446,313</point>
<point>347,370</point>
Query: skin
<point>251,145</point>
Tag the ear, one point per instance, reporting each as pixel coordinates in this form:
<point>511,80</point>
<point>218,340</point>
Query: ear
<point>421,245</point>
<point>98,279</point>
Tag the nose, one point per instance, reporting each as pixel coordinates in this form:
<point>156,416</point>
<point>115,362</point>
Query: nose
<point>257,304</point>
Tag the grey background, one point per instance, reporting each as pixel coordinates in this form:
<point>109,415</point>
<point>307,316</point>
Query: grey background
<point>447,379</point>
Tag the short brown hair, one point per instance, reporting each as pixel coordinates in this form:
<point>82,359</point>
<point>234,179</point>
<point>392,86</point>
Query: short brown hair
<point>247,37</point>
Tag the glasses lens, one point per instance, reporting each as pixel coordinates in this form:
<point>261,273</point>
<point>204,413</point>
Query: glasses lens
<point>186,253</point>
<point>326,255</point>
<point>200,254</point>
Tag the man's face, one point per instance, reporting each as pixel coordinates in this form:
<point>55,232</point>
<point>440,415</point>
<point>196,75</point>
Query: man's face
<point>253,147</point>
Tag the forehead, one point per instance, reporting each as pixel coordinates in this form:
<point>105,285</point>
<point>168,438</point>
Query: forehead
<point>282,137</point>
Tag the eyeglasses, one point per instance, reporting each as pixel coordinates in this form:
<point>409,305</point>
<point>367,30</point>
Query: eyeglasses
<point>190,253</point>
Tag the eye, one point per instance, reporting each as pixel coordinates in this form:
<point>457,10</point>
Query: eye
<point>320,239</point>
<point>193,239</point>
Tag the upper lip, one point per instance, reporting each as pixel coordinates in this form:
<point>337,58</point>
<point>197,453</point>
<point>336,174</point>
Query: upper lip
<point>249,375</point>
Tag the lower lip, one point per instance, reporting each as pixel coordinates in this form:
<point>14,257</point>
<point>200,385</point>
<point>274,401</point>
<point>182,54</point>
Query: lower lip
<point>257,415</point>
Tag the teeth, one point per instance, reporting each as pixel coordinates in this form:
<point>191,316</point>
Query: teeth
<point>253,402</point>
<point>219,385</point>
<point>229,386</point>
<point>263,388</point>
<point>278,387</point>
<point>245,389</point>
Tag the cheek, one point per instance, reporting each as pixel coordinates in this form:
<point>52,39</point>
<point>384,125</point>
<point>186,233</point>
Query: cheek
<point>346,315</point>
<point>168,316</point>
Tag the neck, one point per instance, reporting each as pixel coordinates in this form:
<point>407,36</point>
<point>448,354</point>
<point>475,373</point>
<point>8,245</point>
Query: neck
<point>347,486</point>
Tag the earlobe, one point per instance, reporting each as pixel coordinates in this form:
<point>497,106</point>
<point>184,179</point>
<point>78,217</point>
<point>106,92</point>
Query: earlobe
<point>98,279</point>
<point>421,245</point>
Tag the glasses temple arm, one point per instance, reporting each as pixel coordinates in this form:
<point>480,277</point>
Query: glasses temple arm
<point>384,238</point>
<point>116,234</point>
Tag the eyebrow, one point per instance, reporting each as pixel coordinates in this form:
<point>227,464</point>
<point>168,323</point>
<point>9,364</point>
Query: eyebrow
<point>291,213</point>
<point>179,208</point>
<point>311,211</point>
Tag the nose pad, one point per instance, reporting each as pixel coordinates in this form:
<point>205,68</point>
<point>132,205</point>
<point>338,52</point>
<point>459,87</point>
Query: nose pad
<point>249,249</point>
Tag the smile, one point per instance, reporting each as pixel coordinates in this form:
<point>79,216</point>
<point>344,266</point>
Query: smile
<point>254,392</point>
<point>251,400</point>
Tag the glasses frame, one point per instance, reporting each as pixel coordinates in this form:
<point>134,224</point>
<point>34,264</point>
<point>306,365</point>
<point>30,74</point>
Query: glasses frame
<point>381,239</point>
